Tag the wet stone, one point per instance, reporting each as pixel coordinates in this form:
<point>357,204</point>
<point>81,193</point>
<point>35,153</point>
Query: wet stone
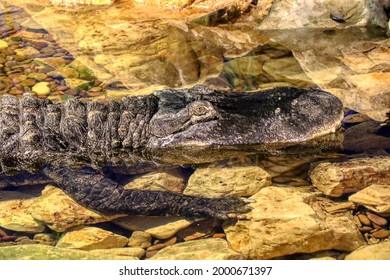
<point>364,220</point>
<point>140,239</point>
<point>377,219</point>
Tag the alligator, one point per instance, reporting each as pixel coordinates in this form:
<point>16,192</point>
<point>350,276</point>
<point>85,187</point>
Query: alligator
<point>77,143</point>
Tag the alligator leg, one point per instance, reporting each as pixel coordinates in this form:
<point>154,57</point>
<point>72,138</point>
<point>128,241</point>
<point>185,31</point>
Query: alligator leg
<point>95,191</point>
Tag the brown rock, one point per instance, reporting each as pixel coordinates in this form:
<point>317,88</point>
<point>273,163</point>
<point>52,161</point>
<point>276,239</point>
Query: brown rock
<point>155,247</point>
<point>364,220</point>
<point>377,219</point>
<point>381,234</point>
<point>171,241</point>
<point>350,175</point>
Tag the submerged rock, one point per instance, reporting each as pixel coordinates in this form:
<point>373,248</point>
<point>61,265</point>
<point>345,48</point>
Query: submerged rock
<point>14,214</point>
<point>204,249</point>
<point>171,180</point>
<point>374,197</point>
<point>140,239</point>
<point>286,221</point>
<point>59,211</point>
<point>91,238</point>
<point>46,252</point>
<point>350,175</point>
<point>379,251</point>
<point>158,227</point>
<point>289,14</point>
<point>228,181</point>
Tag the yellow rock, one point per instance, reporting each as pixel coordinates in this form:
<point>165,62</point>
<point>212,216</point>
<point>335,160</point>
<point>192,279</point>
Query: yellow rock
<point>91,238</point>
<point>3,44</point>
<point>158,227</point>
<point>42,88</point>
<point>227,181</point>
<point>60,212</point>
<point>14,214</point>
<point>158,181</point>
<point>203,249</point>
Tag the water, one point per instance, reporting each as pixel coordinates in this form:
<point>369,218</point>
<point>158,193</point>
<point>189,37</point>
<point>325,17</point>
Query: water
<point>104,52</point>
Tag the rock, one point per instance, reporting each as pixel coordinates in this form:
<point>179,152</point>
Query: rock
<point>158,227</point>
<point>381,234</point>
<point>287,69</point>
<point>42,88</point>
<point>229,181</point>
<point>68,72</point>
<point>170,180</point>
<point>87,68</point>
<point>54,62</point>
<point>364,220</point>
<point>46,252</point>
<point>140,239</point>
<point>377,219</point>
<point>45,239</point>
<point>125,252</point>
<point>77,83</point>
<point>367,137</point>
<point>290,220</point>
<point>379,251</point>
<point>27,51</point>
<point>87,2</point>
<point>59,211</point>
<point>205,249</point>
<point>357,75</point>
<point>350,175</point>
<point>32,24</point>
<point>374,197</point>
<point>290,14</point>
<point>91,238</point>
<point>14,214</point>
<point>3,44</point>
<point>37,76</point>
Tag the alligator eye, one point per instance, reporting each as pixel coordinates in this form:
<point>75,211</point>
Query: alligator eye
<point>198,110</point>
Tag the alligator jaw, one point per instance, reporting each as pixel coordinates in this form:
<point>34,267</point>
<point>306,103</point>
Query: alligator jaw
<point>283,120</point>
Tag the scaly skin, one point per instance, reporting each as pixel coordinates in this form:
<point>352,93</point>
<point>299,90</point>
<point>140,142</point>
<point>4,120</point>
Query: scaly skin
<point>69,143</point>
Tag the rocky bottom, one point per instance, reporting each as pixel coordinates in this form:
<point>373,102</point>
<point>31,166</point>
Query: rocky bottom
<point>308,207</point>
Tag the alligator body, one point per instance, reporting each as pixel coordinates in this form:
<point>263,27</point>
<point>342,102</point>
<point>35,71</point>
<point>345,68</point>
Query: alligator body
<point>73,144</point>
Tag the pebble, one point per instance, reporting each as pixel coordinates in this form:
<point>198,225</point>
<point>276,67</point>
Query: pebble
<point>28,82</point>
<point>156,247</point>
<point>377,219</point>
<point>150,254</point>
<point>24,240</point>
<point>170,241</point>
<point>3,44</point>
<point>381,234</point>
<point>364,220</point>
<point>365,229</point>
<point>41,88</point>
<point>37,76</point>
<point>8,238</point>
<point>219,235</point>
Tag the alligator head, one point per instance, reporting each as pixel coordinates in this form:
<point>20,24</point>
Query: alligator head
<point>201,124</point>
